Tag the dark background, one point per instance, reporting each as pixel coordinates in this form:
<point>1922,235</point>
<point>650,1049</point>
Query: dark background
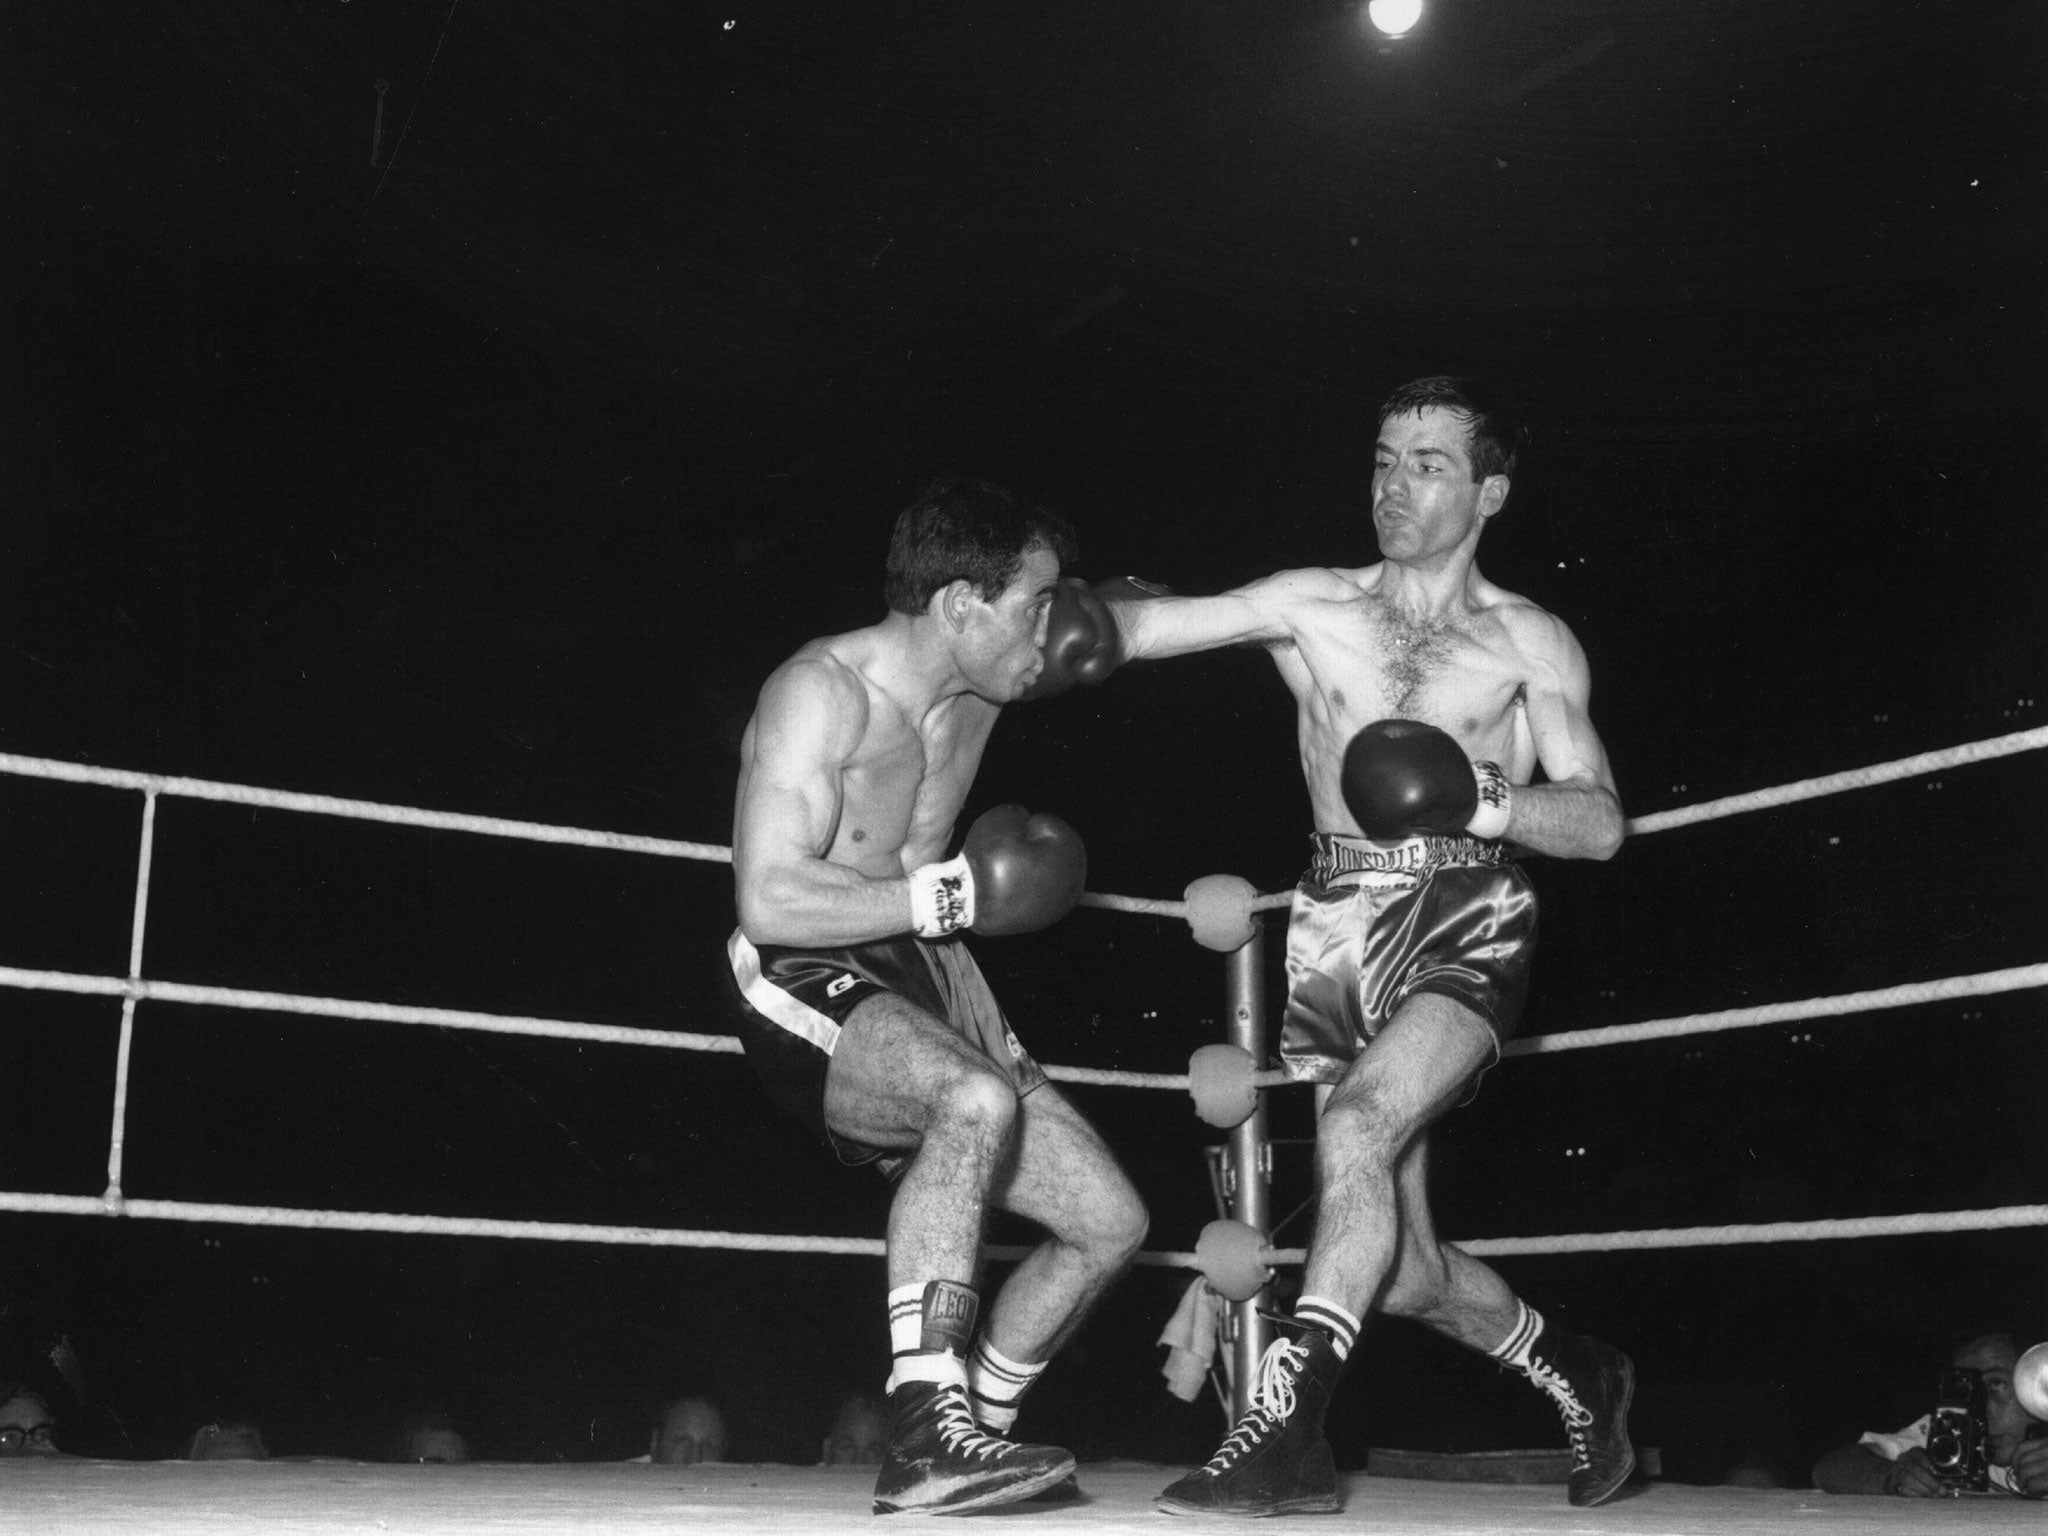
<point>485,455</point>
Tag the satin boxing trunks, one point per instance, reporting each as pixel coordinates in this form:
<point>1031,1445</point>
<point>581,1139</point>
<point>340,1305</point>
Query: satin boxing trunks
<point>1374,923</point>
<point>793,1002</point>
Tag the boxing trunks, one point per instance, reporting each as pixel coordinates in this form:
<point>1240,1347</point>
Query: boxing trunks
<point>1373,924</point>
<point>793,1002</point>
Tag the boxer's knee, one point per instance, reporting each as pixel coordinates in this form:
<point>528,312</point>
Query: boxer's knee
<point>980,1106</point>
<point>1357,1134</point>
<point>1105,1222</point>
<point>1121,1222</point>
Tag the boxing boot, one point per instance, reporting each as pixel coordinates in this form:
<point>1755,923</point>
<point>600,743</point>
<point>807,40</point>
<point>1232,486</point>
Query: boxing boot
<point>940,1462</point>
<point>1591,1383</point>
<point>1276,1461</point>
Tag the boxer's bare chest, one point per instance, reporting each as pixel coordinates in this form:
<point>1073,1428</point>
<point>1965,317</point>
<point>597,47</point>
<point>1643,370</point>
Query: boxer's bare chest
<point>904,787</point>
<point>1371,661</point>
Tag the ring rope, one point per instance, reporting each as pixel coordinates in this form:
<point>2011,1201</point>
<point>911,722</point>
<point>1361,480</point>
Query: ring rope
<point>359,810</point>
<point>1997,1218</point>
<point>543,832</point>
<point>343,1008</point>
<point>1835,783</point>
<point>1911,994</point>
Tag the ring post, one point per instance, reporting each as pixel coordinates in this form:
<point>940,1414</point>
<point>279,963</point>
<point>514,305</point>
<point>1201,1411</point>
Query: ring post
<point>1248,1170</point>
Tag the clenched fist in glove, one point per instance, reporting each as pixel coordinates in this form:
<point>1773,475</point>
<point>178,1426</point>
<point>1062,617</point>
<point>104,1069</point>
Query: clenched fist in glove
<point>1403,778</point>
<point>1015,873</point>
<point>1081,641</point>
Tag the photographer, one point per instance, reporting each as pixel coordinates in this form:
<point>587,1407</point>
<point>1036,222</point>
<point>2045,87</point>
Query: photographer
<point>1901,1464</point>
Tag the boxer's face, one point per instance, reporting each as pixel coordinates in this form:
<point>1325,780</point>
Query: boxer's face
<point>1425,502</point>
<point>1002,638</point>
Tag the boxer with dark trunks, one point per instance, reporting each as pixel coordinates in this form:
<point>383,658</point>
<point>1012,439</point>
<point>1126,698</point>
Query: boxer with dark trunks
<point>865,1016</point>
<point>797,1000</point>
<point>1427,700</point>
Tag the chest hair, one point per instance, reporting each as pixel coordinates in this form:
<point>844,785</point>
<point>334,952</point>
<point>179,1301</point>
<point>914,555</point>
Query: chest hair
<point>1414,652</point>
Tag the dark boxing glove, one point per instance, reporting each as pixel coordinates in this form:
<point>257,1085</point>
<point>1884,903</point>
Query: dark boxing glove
<point>1081,640</point>
<point>1403,778</point>
<point>1015,873</point>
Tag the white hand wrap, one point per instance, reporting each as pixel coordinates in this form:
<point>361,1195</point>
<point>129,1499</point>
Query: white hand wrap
<point>941,898</point>
<point>1491,819</point>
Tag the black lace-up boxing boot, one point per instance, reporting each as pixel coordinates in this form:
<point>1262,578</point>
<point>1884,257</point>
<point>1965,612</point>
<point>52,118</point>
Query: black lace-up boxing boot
<point>939,1460</point>
<point>1276,1461</point>
<point>1591,1383</point>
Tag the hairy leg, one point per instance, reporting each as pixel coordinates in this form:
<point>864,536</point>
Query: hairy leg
<point>901,1079</point>
<point>1435,1283</point>
<point>1064,1177</point>
<point>1406,1078</point>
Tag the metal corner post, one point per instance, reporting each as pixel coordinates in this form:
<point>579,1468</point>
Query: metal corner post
<point>1249,1166</point>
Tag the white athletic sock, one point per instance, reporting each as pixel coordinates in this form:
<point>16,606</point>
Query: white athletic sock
<point>996,1385</point>
<point>906,1318</point>
<point>1333,1318</point>
<point>911,1358</point>
<point>1514,1349</point>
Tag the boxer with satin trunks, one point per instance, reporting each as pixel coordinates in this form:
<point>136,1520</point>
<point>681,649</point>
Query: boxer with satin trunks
<point>1373,924</point>
<point>1443,726</point>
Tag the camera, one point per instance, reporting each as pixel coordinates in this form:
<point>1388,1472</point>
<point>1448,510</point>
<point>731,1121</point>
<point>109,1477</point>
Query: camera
<point>1956,1432</point>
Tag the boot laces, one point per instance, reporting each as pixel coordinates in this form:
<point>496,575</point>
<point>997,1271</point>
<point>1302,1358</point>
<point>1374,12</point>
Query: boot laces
<point>1578,1418</point>
<point>957,1430</point>
<point>1271,1402</point>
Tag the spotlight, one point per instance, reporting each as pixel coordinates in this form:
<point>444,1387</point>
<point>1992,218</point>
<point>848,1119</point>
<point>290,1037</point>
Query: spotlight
<point>1394,17</point>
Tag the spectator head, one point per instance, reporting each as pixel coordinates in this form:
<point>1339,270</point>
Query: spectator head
<point>27,1427</point>
<point>227,1440</point>
<point>690,1430</point>
<point>860,1432</point>
<point>430,1439</point>
<point>1995,1355</point>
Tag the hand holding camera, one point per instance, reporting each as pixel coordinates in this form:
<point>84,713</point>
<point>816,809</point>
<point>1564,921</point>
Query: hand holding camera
<point>1959,1439</point>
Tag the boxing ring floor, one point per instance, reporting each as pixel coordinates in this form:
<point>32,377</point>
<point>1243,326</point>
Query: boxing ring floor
<point>68,1497</point>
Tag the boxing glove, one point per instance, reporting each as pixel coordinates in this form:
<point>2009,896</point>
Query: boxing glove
<point>1403,778</point>
<point>1015,873</point>
<point>1081,640</point>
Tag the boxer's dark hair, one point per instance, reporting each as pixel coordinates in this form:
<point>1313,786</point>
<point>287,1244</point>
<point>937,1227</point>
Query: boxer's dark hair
<point>1499,430</point>
<point>968,530</point>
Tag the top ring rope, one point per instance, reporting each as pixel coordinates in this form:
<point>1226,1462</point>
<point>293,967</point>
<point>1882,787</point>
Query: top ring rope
<point>543,832</point>
<point>1706,810</point>
<point>1835,783</point>
<point>359,810</point>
